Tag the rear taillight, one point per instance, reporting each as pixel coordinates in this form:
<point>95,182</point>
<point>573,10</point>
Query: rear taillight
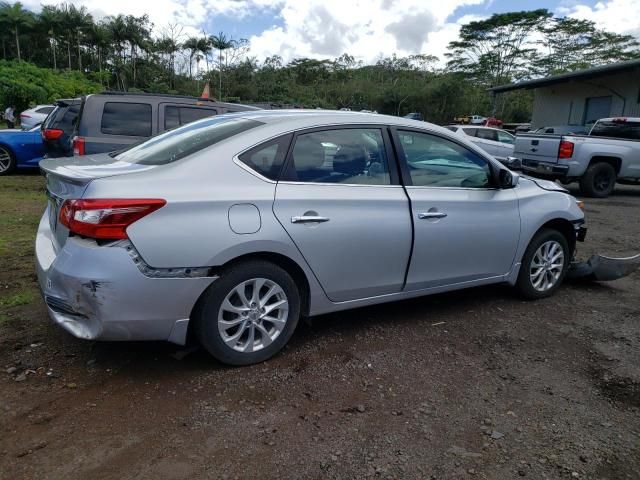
<point>105,218</point>
<point>78,145</point>
<point>52,133</point>
<point>24,115</point>
<point>566,149</point>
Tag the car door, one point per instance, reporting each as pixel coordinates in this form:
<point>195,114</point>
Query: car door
<point>340,201</point>
<point>466,230</point>
<point>506,144</point>
<point>488,141</point>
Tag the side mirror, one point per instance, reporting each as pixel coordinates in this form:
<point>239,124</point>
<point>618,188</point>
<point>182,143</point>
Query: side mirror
<point>508,179</point>
<point>513,163</point>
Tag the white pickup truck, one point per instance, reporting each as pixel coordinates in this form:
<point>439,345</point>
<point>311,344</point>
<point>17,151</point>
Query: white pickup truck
<point>610,153</point>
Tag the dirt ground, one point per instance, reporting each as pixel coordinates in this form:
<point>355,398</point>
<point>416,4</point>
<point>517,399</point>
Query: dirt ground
<point>473,384</point>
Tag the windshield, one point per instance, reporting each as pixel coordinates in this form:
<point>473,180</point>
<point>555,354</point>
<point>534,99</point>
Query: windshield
<point>186,140</point>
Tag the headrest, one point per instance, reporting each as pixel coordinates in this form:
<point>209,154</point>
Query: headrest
<point>350,160</point>
<point>308,154</point>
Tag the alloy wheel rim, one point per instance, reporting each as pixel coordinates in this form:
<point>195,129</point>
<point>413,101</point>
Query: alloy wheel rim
<point>5,160</point>
<point>252,315</point>
<point>602,182</point>
<point>546,266</point>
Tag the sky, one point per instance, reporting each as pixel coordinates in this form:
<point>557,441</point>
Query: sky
<point>366,29</point>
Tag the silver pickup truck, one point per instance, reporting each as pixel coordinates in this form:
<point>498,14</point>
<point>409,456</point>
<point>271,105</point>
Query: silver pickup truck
<point>610,153</point>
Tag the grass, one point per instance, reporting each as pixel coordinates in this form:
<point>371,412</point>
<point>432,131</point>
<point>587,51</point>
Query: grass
<point>17,299</point>
<point>22,202</point>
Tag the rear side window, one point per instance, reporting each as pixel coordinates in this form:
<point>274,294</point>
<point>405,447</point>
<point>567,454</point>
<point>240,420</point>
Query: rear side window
<point>617,129</point>
<point>130,119</point>
<point>186,140</point>
<point>348,156</point>
<point>267,159</point>
<point>176,116</point>
<point>487,134</point>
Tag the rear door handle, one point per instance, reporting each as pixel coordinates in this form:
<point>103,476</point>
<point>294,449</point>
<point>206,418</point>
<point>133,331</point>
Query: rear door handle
<point>309,219</point>
<point>425,215</point>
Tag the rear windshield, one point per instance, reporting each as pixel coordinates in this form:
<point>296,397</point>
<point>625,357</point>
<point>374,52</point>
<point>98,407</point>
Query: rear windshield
<point>63,117</point>
<point>617,129</point>
<point>186,140</point>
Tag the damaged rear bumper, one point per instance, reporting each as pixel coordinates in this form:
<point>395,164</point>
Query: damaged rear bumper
<point>99,293</point>
<point>603,269</point>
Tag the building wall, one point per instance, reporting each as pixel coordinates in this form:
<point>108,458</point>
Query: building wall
<point>564,103</point>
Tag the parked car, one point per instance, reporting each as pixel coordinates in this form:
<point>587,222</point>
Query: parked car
<point>233,227</point>
<point>20,149</point>
<point>33,117</point>
<point>610,153</point>
<point>470,120</point>
<point>492,140</point>
<point>110,121</point>
<point>492,122</point>
<point>415,116</point>
<point>563,130</point>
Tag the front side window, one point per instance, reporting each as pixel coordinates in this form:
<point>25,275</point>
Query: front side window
<point>129,119</point>
<point>176,116</point>
<point>267,158</point>
<point>505,137</point>
<point>186,140</point>
<point>347,156</point>
<point>434,161</point>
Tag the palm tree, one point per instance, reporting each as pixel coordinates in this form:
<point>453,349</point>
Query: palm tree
<point>204,47</point>
<point>221,43</point>
<point>100,38</point>
<point>16,17</point>
<point>191,44</point>
<point>136,32</point>
<point>51,22</point>
<point>75,20</point>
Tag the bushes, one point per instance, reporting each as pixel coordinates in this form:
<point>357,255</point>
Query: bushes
<point>23,84</point>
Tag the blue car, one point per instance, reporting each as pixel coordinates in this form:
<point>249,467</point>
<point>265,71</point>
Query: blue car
<point>20,149</point>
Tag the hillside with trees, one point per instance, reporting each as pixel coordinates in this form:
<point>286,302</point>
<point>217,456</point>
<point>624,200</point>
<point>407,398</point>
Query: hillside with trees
<point>76,53</point>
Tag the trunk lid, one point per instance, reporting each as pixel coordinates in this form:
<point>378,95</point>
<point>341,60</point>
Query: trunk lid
<point>68,178</point>
<point>537,148</point>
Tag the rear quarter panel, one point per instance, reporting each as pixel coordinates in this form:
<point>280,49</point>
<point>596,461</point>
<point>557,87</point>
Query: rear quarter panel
<point>586,148</point>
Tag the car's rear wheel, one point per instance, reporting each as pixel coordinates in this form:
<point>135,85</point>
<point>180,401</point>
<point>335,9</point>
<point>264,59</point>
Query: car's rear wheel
<point>544,265</point>
<point>248,314</point>
<point>7,161</point>
<point>599,180</point>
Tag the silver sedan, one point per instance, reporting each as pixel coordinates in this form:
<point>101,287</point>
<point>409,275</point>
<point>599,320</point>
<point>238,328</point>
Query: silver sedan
<point>233,227</point>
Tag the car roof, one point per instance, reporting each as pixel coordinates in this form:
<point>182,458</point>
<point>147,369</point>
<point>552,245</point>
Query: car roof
<point>172,98</point>
<point>622,119</point>
<point>303,118</point>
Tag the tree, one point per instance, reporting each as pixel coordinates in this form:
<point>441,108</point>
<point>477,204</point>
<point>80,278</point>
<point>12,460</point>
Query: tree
<point>221,43</point>
<point>498,49</point>
<point>572,44</point>
<point>17,18</point>
<point>50,21</point>
<point>191,44</point>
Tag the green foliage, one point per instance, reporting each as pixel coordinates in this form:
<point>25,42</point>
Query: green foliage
<point>24,84</point>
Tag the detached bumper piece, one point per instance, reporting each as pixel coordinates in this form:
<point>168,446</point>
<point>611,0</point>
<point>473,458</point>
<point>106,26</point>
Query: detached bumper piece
<point>603,269</point>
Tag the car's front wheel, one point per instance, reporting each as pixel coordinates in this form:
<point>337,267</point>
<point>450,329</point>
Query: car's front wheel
<point>544,265</point>
<point>248,314</point>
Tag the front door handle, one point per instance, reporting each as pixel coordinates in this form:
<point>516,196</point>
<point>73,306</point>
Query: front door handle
<point>309,219</point>
<point>425,215</point>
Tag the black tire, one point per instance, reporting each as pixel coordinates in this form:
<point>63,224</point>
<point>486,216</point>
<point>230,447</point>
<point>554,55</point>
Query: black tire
<point>7,154</point>
<point>524,284</point>
<point>206,313</point>
<point>599,180</point>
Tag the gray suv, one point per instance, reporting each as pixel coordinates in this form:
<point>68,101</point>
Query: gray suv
<point>110,121</point>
